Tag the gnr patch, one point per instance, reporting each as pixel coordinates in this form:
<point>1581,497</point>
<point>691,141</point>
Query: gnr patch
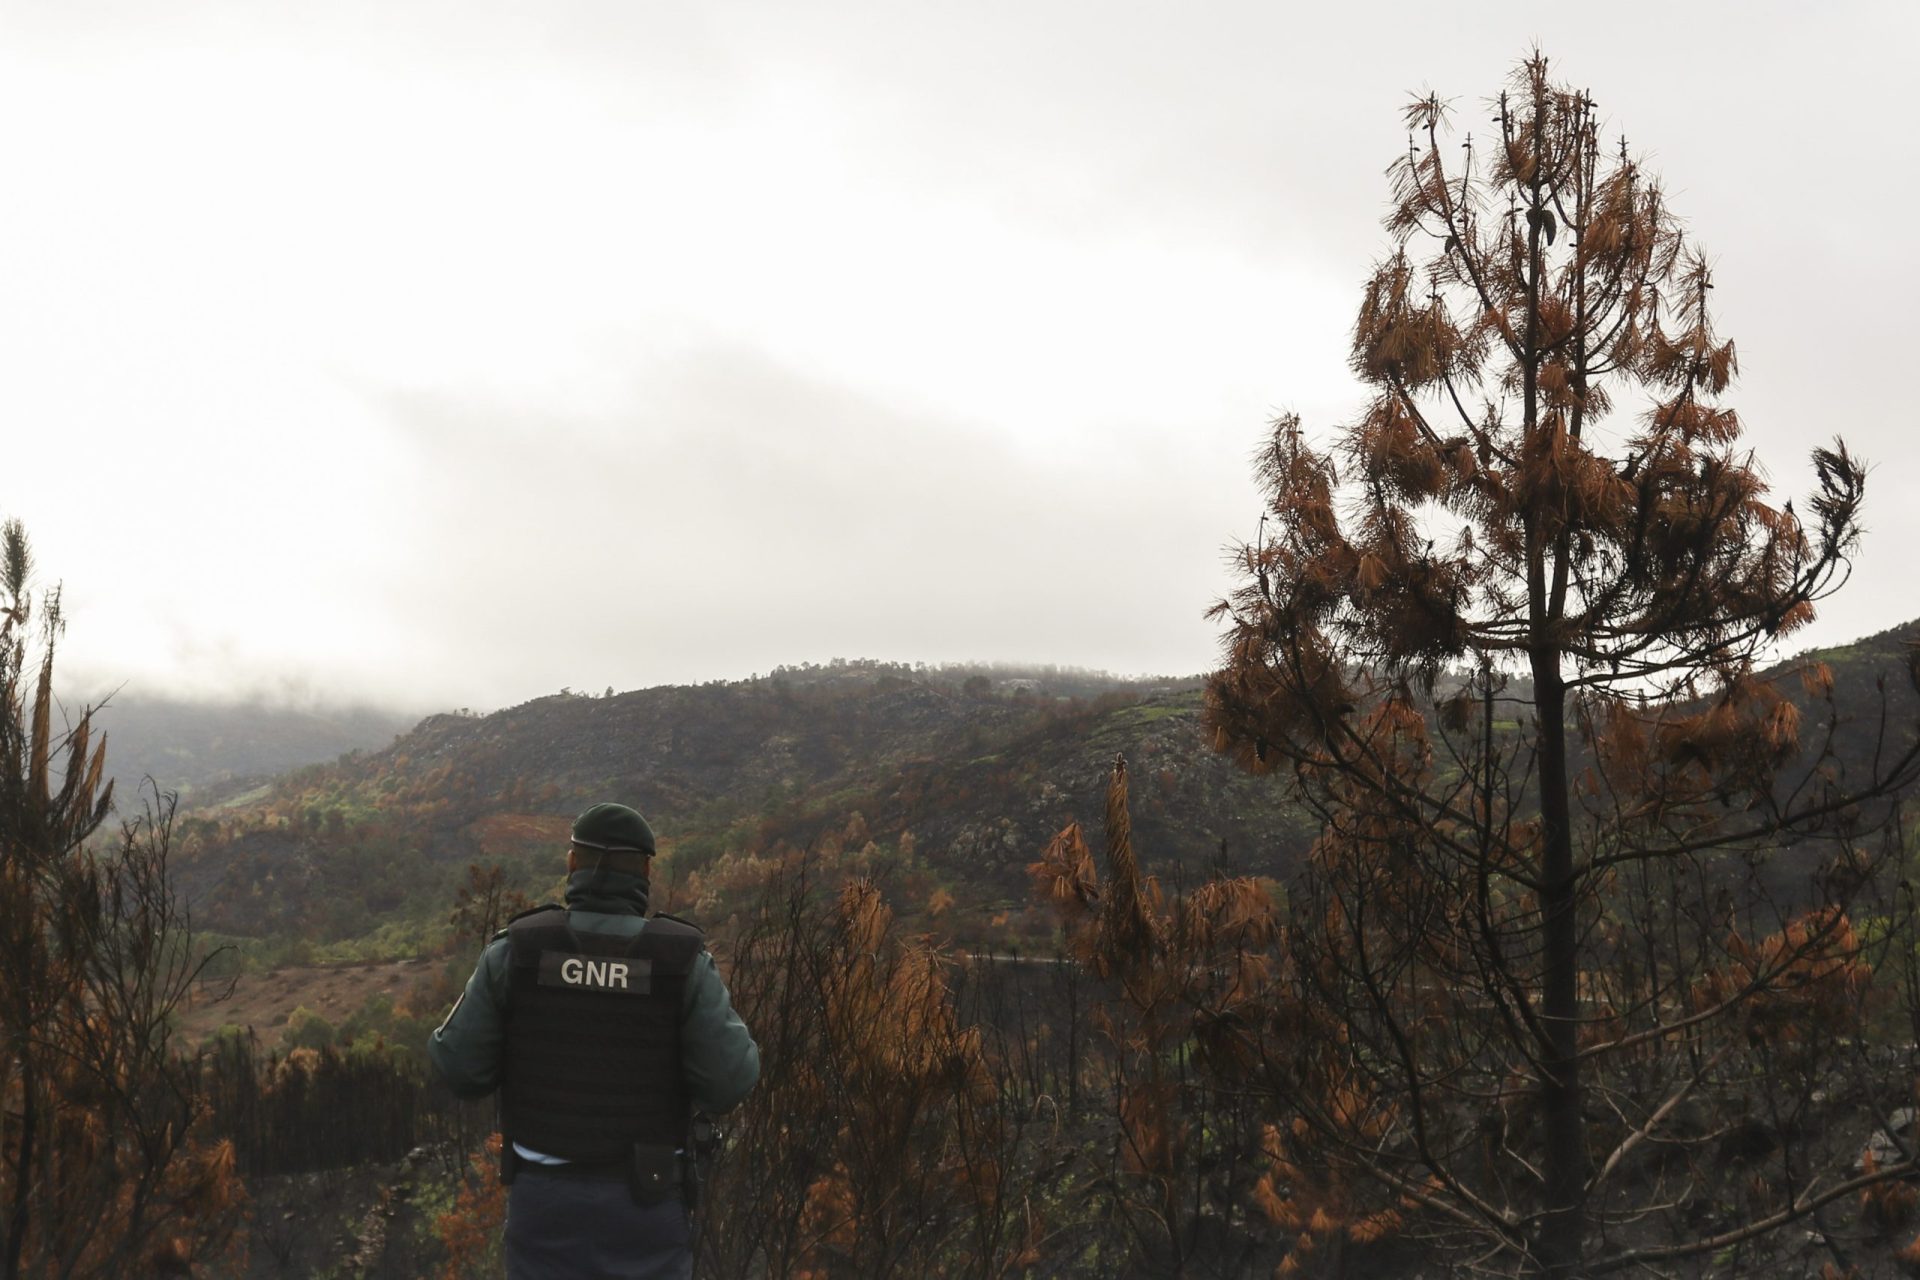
<point>620,976</point>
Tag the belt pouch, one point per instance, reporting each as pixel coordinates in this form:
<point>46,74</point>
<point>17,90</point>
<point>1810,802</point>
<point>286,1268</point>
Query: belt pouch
<point>653,1173</point>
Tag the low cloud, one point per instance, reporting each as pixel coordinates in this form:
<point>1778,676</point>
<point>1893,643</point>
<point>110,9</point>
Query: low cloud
<point>737,515</point>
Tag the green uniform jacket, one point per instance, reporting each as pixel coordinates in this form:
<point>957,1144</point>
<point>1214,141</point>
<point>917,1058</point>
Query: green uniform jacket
<point>718,1057</point>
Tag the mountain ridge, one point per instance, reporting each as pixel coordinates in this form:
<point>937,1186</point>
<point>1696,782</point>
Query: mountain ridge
<point>953,778</point>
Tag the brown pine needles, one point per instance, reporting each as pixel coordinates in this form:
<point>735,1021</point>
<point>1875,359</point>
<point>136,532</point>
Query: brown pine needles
<point>1503,636</point>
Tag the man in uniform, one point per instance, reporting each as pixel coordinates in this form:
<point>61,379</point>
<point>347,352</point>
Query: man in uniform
<point>604,1030</point>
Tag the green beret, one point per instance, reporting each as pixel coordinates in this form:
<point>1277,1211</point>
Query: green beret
<point>613,828</point>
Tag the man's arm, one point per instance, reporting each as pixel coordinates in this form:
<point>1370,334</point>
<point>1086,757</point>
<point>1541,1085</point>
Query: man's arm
<point>718,1058</point>
<point>466,1048</point>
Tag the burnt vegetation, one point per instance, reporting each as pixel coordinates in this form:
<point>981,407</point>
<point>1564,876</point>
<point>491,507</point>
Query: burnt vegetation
<point>107,1166</point>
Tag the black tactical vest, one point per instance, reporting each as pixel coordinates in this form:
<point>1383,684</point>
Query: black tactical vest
<point>593,1038</point>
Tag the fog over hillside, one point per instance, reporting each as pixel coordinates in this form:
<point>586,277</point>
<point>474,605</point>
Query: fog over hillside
<point>208,750</point>
<point>193,748</point>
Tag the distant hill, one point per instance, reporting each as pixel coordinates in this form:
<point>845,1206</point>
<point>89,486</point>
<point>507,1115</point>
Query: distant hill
<point>955,779</point>
<point>200,748</point>
<point>951,780</point>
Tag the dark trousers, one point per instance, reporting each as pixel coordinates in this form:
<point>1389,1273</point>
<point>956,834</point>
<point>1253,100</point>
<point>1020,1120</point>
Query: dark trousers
<point>590,1229</point>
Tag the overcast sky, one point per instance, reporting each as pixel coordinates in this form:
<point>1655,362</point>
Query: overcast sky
<point>454,352</point>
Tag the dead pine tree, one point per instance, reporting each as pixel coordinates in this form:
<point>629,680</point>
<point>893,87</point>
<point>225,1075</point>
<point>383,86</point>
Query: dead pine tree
<point>884,1138</point>
<point>103,1170</point>
<point>484,903</point>
<point>1180,979</point>
<point>1575,905</point>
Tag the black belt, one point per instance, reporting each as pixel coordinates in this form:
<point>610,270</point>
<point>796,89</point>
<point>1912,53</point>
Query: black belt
<point>651,1173</point>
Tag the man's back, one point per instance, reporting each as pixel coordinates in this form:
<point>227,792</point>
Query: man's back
<point>603,1029</point>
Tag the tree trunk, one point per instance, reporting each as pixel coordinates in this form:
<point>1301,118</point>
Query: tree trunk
<point>23,1172</point>
<point>1564,1158</point>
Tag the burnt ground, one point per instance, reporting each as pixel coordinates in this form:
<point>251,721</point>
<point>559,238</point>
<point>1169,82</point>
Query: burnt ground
<point>366,1222</point>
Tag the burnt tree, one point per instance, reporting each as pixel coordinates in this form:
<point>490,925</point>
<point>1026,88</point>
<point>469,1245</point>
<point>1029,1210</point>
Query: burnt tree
<point>102,1168</point>
<point>1502,631</point>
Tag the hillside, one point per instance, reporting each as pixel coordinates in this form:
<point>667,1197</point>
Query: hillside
<point>943,784</point>
<point>947,783</point>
